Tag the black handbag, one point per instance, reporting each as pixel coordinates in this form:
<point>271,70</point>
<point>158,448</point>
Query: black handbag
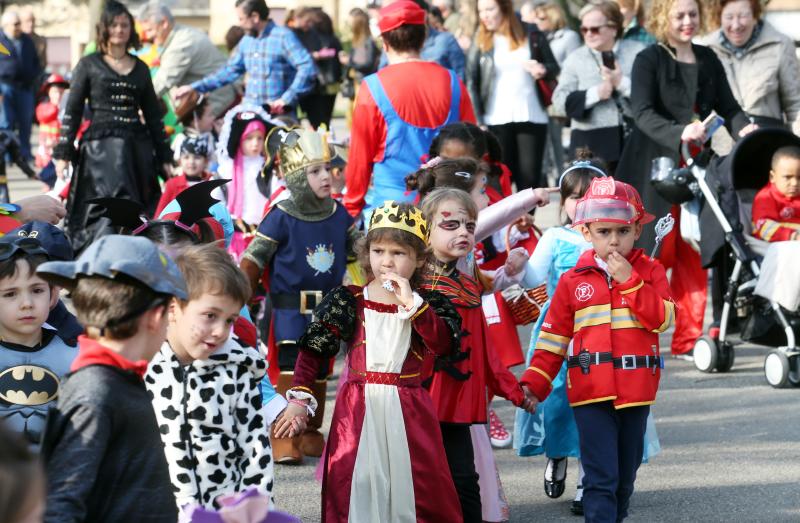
<point>348,86</point>
<point>544,86</point>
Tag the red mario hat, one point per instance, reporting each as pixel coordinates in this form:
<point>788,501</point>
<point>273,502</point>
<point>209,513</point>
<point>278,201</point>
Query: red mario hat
<point>609,200</point>
<point>402,12</point>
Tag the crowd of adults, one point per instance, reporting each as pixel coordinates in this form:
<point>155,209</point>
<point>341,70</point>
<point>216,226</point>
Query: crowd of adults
<point>636,86</point>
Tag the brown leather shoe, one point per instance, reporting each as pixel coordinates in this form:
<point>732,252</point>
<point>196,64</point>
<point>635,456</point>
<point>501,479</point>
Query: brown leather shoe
<point>285,451</point>
<point>312,442</point>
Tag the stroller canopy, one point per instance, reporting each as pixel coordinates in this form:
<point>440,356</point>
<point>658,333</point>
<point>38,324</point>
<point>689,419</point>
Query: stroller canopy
<point>752,156</point>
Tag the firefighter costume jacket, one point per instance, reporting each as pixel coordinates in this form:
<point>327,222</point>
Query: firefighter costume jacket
<point>614,328</point>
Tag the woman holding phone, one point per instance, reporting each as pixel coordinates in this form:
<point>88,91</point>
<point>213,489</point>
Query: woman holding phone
<point>676,85</point>
<point>595,85</point>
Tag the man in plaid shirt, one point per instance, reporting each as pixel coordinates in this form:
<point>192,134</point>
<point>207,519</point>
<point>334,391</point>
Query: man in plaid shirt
<point>279,69</point>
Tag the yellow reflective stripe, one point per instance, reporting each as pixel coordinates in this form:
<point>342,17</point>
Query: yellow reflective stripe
<point>592,315</point>
<point>633,289</point>
<point>591,310</point>
<point>768,229</point>
<point>552,343</point>
<point>543,373</point>
<point>623,318</point>
<point>591,321</point>
<point>669,316</point>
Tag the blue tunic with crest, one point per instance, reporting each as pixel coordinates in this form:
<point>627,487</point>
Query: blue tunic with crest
<point>311,256</point>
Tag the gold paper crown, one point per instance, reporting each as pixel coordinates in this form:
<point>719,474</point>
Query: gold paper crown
<point>298,149</point>
<point>391,216</point>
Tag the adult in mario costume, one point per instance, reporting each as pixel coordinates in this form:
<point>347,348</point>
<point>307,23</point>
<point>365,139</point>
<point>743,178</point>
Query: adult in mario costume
<point>398,112</point>
<point>605,318</point>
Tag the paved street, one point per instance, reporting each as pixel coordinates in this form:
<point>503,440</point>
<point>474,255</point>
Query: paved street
<point>729,442</point>
<point>729,453</point>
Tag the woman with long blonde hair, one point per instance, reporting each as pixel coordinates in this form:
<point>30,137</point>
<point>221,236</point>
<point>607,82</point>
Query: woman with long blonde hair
<point>362,59</point>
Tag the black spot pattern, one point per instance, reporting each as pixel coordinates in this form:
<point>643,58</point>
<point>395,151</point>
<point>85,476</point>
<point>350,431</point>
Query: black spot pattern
<point>217,407</point>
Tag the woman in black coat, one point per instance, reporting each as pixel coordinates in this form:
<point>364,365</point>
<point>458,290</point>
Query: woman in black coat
<point>675,86</point>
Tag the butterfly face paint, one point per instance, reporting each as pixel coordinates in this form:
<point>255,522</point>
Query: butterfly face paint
<point>453,232</point>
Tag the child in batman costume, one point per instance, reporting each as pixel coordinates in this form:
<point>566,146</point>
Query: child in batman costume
<point>304,242</point>
<point>33,358</point>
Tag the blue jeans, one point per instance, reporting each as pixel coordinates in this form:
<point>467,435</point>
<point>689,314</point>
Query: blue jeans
<point>17,115</point>
<point>612,442</point>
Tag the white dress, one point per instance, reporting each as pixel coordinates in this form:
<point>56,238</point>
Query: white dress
<point>382,488</point>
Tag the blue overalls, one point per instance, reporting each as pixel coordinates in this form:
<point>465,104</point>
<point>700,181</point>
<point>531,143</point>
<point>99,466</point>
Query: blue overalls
<point>405,145</point>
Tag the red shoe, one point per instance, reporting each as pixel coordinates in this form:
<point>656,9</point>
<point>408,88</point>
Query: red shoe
<point>498,434</point>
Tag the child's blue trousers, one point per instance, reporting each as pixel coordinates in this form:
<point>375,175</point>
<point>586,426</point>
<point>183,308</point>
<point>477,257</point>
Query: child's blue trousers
<point>612,443</point>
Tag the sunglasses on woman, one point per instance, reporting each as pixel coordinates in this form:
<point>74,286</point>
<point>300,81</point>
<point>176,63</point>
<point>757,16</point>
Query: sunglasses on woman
<point>593,30</point>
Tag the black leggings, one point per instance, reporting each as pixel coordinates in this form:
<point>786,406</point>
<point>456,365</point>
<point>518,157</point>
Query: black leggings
<point>318,109</point>
<point>461,459</point>
<point>523,151</point>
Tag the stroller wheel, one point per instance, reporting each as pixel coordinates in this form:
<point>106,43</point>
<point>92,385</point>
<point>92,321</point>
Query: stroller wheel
<point>706,354</point>
<point>726,357</point>
<point>794,370</point>
<point>776,368</point>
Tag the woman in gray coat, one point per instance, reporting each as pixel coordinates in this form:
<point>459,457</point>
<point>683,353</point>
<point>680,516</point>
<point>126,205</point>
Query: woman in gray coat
<point>593,95</point>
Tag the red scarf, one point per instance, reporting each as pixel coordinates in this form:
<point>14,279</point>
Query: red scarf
<point>91,352</point>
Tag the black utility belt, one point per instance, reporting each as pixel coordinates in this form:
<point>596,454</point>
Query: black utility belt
<point>585,359</point>
<point>304,301</point>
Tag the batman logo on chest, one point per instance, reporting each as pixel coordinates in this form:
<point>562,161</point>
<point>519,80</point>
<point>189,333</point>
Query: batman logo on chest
<point>28,385</point>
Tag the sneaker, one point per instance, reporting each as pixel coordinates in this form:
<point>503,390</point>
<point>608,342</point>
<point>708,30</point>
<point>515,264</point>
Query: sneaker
<point>498,434</point>
<point>577,503</point>
<point>555,474</point>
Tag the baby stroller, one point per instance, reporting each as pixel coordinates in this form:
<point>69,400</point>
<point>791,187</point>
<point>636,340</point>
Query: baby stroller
<point>729,200</point>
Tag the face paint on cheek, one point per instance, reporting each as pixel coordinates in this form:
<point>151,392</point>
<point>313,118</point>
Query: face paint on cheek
<point>196,332</point>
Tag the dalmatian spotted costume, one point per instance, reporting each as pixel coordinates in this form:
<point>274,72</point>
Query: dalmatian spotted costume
<point>213,423</point>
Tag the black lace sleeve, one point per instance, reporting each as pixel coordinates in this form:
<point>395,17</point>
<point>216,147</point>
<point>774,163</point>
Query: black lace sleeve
<point>335,320</point>
<point>446,311</point>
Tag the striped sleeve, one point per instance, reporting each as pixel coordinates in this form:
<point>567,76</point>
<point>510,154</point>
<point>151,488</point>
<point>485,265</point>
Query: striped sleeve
<point>774,231</point>
<point>551,346</point>
<point>649,302</point>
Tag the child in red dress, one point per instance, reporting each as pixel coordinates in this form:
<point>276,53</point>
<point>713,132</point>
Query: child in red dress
<point>385,459</point>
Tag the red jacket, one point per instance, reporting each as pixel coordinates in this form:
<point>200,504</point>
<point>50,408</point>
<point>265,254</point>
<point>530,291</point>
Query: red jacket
<point>600,315</point>
<point>775,216</point>
<point>461,390</point>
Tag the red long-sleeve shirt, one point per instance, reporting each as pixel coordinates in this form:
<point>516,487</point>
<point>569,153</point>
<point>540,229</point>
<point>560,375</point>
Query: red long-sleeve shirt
<point>775,216</point>
<point>420,94</point>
